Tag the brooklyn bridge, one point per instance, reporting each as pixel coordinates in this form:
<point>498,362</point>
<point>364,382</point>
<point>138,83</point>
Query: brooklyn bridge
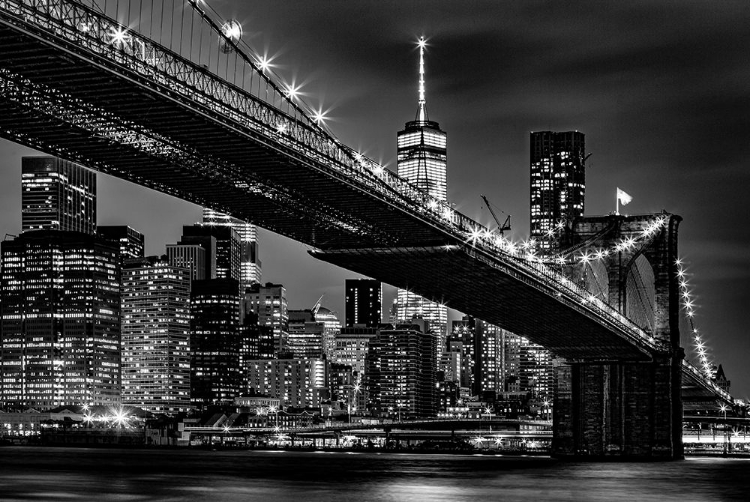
<point>170,99</point>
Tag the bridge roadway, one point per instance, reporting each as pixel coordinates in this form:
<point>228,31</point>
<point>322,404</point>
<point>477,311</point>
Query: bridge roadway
<point>74,83</point>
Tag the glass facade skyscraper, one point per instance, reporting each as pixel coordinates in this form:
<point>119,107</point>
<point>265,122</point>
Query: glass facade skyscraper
<point>558,183</point>
<point>60,342</point>
<point>250,265</point>
<point>422,160</point>
<point>215,342</point>
<point>57,195</point>
<point>131,241</point>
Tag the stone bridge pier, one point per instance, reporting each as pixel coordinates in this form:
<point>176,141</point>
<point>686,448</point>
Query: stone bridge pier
<point>628,410</point>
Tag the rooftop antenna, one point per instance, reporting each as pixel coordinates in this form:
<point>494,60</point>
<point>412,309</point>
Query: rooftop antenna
<point>422,108</point>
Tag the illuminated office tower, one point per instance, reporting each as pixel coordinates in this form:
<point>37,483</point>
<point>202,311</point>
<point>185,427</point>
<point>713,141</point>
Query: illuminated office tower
<point>331,327</point>
<point>250,265</point>
<point>422,161</point>
<point>57,195</point>
<point>268,303</point>
<point>558,183</point>
<point>422,152</point>
<point>191,257</point>
<point>299,383</point>
<point>222,244</point>
<point>60,342</point>
<point>305,340</point>
<point>155,336</point>
<point>215,342</point>
<point>402,371</point>
<point>131,241</point>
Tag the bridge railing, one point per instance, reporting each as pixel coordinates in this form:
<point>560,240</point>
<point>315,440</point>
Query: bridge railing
<point>710,384</point>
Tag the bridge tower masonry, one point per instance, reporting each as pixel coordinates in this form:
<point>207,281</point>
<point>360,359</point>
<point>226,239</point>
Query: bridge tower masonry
<point>621,409</point>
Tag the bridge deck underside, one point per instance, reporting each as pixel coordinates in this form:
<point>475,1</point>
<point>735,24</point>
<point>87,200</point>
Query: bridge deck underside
<point>455,278</point>
<point>294,196</point>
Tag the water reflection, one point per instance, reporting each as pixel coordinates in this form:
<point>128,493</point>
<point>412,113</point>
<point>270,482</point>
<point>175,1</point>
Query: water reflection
<point>144,475</point>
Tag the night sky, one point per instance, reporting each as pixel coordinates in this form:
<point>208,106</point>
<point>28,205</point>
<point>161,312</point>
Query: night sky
<point>660,89</point>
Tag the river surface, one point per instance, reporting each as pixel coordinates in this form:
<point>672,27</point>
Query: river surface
<point>38,473</point>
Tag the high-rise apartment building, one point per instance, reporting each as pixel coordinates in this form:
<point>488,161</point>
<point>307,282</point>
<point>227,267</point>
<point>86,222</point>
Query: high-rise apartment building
<point>215,342</point>
<point>155,336</point>
<point>364,303</point>
<point>268,302</point>
<point>558,183</point>
<point>57,195</point>
<point>422,161</point>
<point>60,342</point>
<point>402,372</point>
<point>131,241</point>
<point>295,382</point>
<point>250,264</point>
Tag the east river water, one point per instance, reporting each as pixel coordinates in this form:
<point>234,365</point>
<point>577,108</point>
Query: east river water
<point>31,473</point>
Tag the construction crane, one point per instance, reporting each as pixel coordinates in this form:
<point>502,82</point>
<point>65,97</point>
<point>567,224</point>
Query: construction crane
<point>501,227</point>
<point>316,307</point>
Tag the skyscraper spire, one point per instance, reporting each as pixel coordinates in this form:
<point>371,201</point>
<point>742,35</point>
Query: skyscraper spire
<point>422,108</point>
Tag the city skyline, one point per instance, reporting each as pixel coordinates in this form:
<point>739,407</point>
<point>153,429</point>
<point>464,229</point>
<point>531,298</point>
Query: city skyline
<point>656,87</point>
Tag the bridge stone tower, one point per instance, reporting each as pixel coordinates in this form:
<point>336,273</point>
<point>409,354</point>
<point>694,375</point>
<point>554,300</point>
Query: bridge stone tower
<point>630,410</point>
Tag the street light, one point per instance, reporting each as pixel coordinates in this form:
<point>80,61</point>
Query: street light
<point>275,410</point>
<point>724,409</point>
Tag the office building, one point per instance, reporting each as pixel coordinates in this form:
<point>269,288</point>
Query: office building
<point>215,342</point>
<point>558,184</point>
<point>351,346</point>
<point>422,147</point>
<point>422,160</point>
<point>256,342</point>
<point>57,195</point>
<point>331,327</point>
<point>401,371</point>
<point>155,336</point>
<point>193,258</point>
<point>300,383</point>
<point>250,264</point>
<point>364,303</point>
<point>223,247</point>
<point>60,320</point>
<point>305,335</point>
<point>535,371</point>
<point>268,303</point>
<point>131,242</point>
<point>462,348</point>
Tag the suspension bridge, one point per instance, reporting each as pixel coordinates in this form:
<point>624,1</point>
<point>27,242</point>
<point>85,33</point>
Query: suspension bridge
<point>166,95</point>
